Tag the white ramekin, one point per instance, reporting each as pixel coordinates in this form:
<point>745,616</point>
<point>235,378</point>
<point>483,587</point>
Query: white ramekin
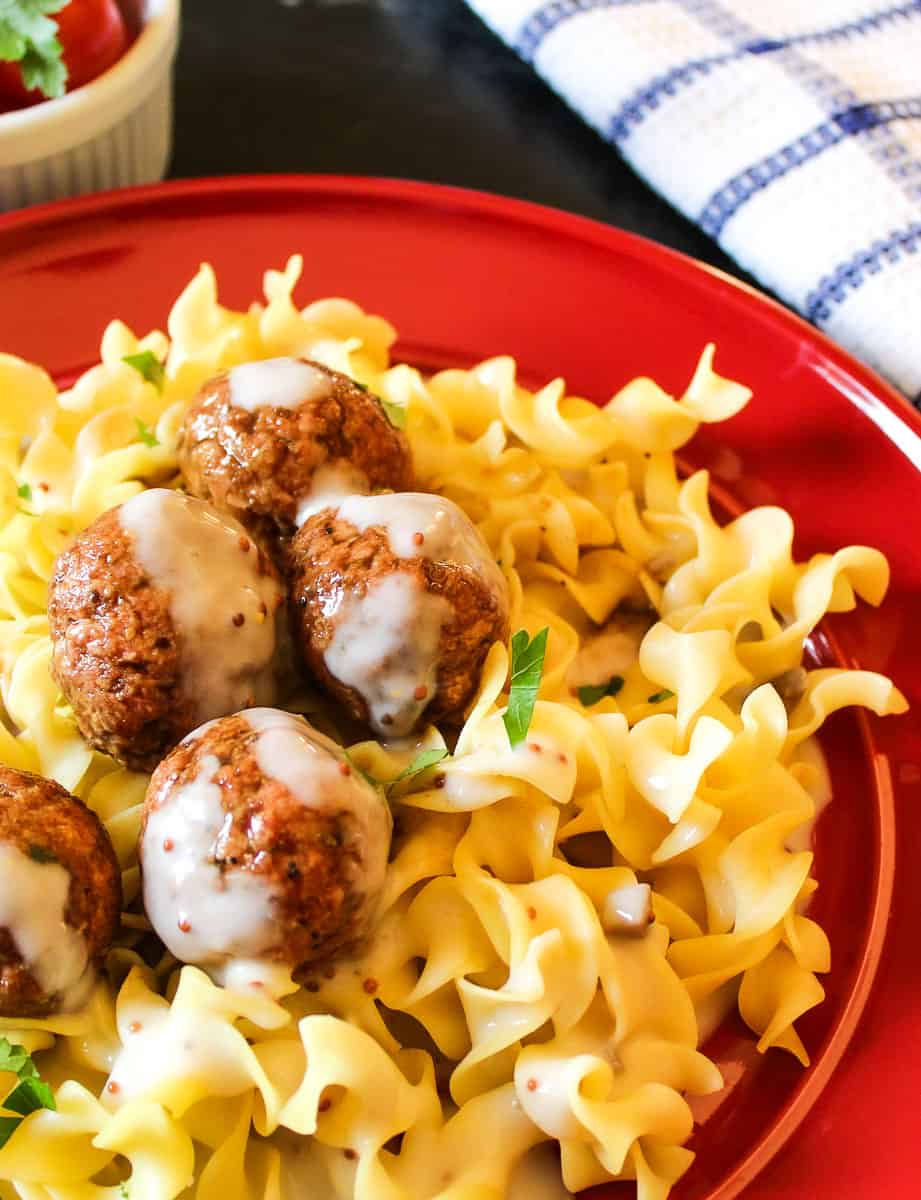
<point>112,132</point>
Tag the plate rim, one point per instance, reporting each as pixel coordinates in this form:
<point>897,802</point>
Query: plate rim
<point>477,200</point>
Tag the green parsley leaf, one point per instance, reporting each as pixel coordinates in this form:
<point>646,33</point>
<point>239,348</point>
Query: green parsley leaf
<point>527,667</point>
<point>396,414</point>
<point>423,760</point>
<point>591,693</point>
<point>145,433</point>
<point>8,1126</point>
<point>29,37</point>
<point>24,491</point>
<point>29,1095</point>
<point>148,366</point>
<point>16,1059</point>
<point>658,697</point>
<point>364,387</point>
<point>123,1190</point>
<point>40,855</point>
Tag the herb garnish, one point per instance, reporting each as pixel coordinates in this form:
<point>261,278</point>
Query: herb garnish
<point>145,433</point>
<point>146,363</point>
<point>396,414</point>
<point>527,667</point>
<point>29,37</point>
<point>423,760</point>
<point>658,697</point>
<point>40,855</point>
<point>30,1093</point>
<point>24,491</point>
<point>591,693</point>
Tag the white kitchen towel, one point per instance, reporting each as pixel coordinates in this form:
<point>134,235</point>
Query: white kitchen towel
<point>789,130</point>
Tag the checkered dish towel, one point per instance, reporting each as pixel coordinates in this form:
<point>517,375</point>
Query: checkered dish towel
<point>789,130</point>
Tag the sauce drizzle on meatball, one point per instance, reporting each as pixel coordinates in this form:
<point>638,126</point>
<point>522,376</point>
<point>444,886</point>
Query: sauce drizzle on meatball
<point>33,904</point>
<point>276,383</point>
<point>370,650</point>
<point>192,552</point>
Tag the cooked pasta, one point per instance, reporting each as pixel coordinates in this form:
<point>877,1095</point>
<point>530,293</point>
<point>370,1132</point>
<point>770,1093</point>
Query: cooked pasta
<point>558,916</point>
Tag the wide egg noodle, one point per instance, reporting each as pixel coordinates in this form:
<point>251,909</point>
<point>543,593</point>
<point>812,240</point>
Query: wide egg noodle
<point>494,1010</point>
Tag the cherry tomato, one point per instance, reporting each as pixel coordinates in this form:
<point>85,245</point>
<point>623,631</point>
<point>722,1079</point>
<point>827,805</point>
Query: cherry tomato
<point>93,36</point>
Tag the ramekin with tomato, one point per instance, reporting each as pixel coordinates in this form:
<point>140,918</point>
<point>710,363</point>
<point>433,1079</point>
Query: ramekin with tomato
<point>49,47</point>
<point>85,95</point>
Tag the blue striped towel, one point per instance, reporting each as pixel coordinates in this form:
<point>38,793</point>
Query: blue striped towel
<point>789,130</point>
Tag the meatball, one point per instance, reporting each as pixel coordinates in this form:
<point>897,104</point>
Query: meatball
<point>60,896</point>
<point>395,602</point>
<point>259,842</point>
<point>270,442</point>
<point>163,614</point>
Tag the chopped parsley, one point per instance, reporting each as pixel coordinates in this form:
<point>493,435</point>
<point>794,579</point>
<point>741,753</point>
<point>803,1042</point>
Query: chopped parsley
<point>658,697</point>
<point>396,414</point>
<point>24,491</point>
<point>422,762</point>
<point>527,668</point>
<point>29,37</point>
<point>40,855</point>
<point>145,433</point>
<point>30,1093</point>
<point>591,693</point>
<point>146,363</point>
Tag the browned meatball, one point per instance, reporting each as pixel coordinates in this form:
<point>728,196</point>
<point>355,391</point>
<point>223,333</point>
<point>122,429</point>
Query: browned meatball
<point>395,602</point>
<point>163,614</point>
<point>266,441</point>
<point>60,895</point>
<point>259,842</point>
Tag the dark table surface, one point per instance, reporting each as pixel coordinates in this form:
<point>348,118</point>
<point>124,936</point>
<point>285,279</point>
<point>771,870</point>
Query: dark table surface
<point>419,89</point>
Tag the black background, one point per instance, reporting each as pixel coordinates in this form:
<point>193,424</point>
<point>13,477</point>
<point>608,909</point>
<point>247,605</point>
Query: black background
<point>418,89</point>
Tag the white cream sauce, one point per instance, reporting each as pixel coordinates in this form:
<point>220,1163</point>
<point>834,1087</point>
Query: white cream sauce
<point>172,1042</point>
<point>818,785</point>
<point>33,905</point>
<point>201,913</point>
<point>329,486</point>
<point>385,645</point>
<point>419,525</point>
<point>627,909</point>
<point>276,383</point>
<point>224,610</point>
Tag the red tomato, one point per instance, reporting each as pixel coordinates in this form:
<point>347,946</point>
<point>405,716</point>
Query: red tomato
<point>93,36</point>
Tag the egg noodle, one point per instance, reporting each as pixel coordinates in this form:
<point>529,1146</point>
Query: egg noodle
<point>496,1007</point>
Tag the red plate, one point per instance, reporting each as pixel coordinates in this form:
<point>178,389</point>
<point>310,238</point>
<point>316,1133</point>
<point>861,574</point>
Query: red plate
<point>464,276</point>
